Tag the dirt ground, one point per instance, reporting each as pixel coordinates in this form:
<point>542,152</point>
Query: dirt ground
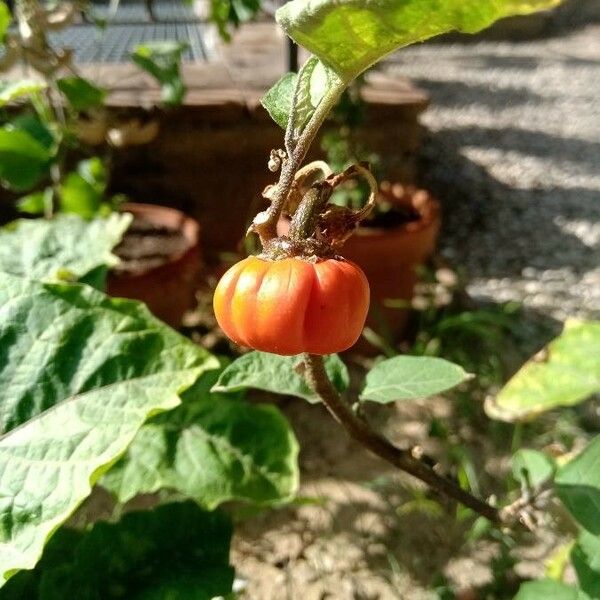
<point>357,531</point>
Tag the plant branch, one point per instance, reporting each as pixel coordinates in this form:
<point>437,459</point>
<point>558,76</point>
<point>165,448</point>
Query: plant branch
<point>266,222</point>
<point>404,460</point>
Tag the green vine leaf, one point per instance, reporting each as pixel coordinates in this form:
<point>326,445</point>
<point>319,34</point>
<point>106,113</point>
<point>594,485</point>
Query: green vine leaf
<point>213,449</point>
<point>564,374</point>
<point>14,90</point>
<point>578,486</point>
<point>176,551</point>
<point>51,250</point>
<point>277,374</point>
<point>79,375</point>
<point>411,377</point>
<point>585,557</point>
<point>351,36</point>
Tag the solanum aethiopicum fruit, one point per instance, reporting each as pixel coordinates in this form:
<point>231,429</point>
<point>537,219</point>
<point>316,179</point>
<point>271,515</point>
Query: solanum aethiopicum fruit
<point>292,305</point>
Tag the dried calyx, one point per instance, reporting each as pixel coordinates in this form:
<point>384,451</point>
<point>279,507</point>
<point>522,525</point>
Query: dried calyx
<point>319,228</point>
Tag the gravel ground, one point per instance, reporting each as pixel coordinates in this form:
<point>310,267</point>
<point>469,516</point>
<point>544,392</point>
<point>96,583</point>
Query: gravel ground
<point>513,151</point>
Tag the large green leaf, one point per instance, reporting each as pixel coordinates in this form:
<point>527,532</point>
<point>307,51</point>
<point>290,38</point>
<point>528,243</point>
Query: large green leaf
<point>352,35</point>
<point>81,93</point>
<point>578,486</point>
<point>13,90</point>
<point>23,160</point>
<point>549,589</point>
<point>79,375</point>
<point>585,557</point>
<point>212,448</point>
<point>565,373</point>
<point>277,374</point>
<point>66,247</point>
<point>162,60</point>
<point>410,377</point>
<point>176,551</point>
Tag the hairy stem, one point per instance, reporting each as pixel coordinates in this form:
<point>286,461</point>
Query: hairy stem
<point>404,460</point>
<point>267,228</point>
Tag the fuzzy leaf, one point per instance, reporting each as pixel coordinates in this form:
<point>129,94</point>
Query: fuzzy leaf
<point>564,374</point>
<point>410,377</point>
<point>79,375</point>
<point>352,35</point>
<point>277,374</point>
<point>52,250</point>
<point>212,449</point>
<point>578,486</point>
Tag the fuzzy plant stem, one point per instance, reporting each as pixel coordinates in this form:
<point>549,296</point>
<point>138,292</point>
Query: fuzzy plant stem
<point>296,150</point>
<point>404,460</point>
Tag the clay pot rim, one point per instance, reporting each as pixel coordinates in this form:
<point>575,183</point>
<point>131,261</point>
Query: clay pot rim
<point>419,199</point>
<point>168,217</point>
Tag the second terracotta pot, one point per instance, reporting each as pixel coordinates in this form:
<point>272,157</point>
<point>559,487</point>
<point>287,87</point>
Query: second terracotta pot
<point>390,256</point>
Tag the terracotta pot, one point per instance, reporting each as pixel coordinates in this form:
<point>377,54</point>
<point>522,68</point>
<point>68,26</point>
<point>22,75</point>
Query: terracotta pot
<point>389,256</point>
<point>167,288</point>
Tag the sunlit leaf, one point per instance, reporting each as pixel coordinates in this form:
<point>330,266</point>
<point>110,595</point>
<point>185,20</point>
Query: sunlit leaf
<point>548,589</point>
<point>278,100</point>
<point>277,374</point>
<point>565,373</point>
<point>531,467</point>
<point>79,375</point>
<point>351,36</point>
<point>410,377</point>
<point>4,19</point>
<point>66,247</point>
<point>14,90</point>
<point>212,448</point>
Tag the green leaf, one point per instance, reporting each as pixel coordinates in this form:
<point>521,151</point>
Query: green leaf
<point>81,93</point>
<point>585,557</point>
<point>212,449</point>
<point>410,377</point>
<point>278,100</point>
<point>351,36</point>
<point>277,374</point>
<point>14,90</point>
<point>78,196</point>
<point>38,130</point>
<point>162,61</point>
<point>23,160</point>
<point>176,551</point>
<point>79,375</point>
<point>531,467</point>
<point>564,374</point>
<point>4,19</point>
<point>548,589</point>
<point>33,204</point>
<point>66,247</point>
<point>578,486</point>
